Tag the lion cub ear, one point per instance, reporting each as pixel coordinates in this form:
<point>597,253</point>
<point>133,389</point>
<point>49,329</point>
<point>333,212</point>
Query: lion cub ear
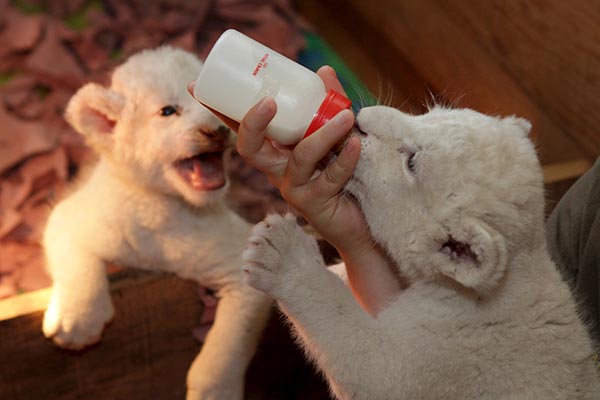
<point>94,111</point>
<point>523,125</point>
<point>474,255</point>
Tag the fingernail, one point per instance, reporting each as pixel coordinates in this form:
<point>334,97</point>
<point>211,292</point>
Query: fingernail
<point>264,106</point>
<point>342,117</point>
<point>333,71</point>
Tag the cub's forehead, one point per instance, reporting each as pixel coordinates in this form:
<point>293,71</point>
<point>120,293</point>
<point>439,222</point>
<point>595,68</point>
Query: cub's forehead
<point>465,127</point>
<point>158,73</point>
<point>439,128</point>
<point>461,134</point>
<point>459,118</point>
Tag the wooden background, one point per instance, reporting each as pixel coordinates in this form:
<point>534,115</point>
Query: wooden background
<point>538,59</point>
<point>145,351</point>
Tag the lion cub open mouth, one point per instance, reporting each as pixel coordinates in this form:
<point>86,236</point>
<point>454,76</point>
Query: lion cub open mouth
<point>204,171</point>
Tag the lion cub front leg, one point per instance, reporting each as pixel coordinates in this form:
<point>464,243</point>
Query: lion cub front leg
<point>218,371</point>
<point>284,262</point>
<point>280,258</point>
<point>80,305</point>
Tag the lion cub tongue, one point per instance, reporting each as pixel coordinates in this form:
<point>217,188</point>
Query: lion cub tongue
<point>207,172</point>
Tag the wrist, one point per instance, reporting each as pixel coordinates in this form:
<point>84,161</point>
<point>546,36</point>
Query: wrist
<point>356,249</point>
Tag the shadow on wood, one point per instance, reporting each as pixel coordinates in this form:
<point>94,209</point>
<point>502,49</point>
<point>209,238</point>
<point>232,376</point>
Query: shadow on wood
<point>144,354</point>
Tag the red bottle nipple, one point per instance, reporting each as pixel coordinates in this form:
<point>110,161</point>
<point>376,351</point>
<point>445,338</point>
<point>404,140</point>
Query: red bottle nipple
<point>333,103</point>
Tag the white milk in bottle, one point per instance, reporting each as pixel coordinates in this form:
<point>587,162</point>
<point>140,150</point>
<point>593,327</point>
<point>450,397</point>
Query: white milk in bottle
<point>239,72</point>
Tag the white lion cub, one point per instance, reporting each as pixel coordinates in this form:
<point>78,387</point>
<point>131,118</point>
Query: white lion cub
<point>153,201</point>
<point>456,199</point>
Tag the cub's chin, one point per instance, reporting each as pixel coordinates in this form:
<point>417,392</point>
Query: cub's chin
<point>205,198</point>
<point>353,192</point>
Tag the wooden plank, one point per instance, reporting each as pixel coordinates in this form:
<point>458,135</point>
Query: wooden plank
<point>452,63</point>
<point>552,48</point>
<point>390,79</point>
<point>27,303</point>
<point>564,171</point>
<point>23,304</point>
<point>145,352</point>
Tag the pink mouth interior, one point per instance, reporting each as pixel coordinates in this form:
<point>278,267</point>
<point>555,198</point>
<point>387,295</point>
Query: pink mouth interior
<point>203,171</point>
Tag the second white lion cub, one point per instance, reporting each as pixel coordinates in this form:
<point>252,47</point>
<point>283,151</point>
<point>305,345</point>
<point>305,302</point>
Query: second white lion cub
<point>153,201</point>
<point>456,200</point>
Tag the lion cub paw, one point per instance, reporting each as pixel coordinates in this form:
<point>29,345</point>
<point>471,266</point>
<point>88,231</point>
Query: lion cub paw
<point>279,255</point>
<point>77,327</point>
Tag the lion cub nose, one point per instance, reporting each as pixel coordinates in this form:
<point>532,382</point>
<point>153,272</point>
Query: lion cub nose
<point>221,133</point>
<point>359,131</point>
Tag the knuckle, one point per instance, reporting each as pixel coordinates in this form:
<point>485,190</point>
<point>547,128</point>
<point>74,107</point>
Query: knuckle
<point>244,128</point>
<point>242,151</point>
<point>298,157</point>
<point>330,174</point>
<point>301,195</point>
<point>285,189</point>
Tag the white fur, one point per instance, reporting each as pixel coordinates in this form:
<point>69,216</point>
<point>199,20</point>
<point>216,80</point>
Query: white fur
<point>486,315</point>
<point>136,210</point>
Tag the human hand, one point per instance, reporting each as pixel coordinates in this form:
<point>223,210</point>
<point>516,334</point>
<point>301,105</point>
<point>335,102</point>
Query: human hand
<point>318,194</point>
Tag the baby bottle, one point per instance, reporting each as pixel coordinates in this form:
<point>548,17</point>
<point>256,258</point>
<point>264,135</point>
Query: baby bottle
<point>239,71</point>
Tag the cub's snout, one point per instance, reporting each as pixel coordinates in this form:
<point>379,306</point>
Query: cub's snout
<point>148,127</point>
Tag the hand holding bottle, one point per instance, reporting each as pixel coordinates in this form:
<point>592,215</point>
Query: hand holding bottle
<point>318,194</point>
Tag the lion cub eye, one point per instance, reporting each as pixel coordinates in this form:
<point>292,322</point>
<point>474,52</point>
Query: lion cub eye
<point>410,162</point>
<point>410,159</point>
<point>169,110</point>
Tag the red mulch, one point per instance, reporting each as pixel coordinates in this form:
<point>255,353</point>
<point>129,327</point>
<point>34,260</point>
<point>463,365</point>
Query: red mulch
<point>48,49</point>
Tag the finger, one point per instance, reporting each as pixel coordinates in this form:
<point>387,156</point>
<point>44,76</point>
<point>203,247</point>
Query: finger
<point>329,78</point>
<point>333,178</point>
<point>252,145</point>
<point>251,135</point>
<point>307,154</point>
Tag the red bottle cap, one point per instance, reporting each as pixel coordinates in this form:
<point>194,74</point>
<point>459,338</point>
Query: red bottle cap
<point>330,107</point>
